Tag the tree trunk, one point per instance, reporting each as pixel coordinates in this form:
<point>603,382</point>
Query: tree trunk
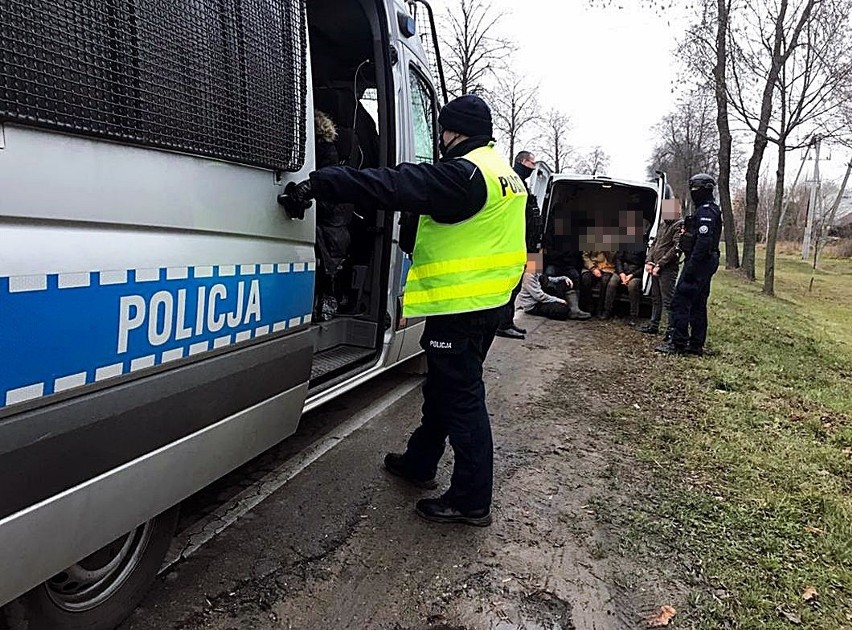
<point>760,142</point>
<point>752,201</point>
<point>556,153</point>
<point>775,221</point>
<point>732,255</point>
<point>513,129</point>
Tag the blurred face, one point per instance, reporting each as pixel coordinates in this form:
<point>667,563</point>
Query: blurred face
<point>529,162</point>
<point>535,263</point>
<point>671,209</point>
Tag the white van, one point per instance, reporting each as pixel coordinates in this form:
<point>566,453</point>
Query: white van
<point>155,301</point>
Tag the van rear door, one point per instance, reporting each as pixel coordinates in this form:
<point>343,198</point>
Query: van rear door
<point>539,183</point>
<point>662,185</point>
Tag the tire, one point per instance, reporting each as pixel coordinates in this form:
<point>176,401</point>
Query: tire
<point>121,573</point>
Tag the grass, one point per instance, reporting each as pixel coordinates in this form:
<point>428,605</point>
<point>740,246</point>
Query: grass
<point>751,453</point>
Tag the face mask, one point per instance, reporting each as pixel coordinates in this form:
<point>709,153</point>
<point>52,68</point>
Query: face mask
<point>523,170</point>
<point>701,196</point>
<point>443,148</point>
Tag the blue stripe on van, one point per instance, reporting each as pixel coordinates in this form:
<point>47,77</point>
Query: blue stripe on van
<point>62,331</point>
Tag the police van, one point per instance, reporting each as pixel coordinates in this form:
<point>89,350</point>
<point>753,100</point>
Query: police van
<point>156,302</point>
<point>571,204</point>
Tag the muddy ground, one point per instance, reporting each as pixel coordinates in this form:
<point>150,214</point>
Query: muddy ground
<point>341,547</point>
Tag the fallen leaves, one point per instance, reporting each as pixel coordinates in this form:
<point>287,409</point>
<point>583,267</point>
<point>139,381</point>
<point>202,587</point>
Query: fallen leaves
<point>662,618</point>
<point>793,618</point>
<point>809,594</point>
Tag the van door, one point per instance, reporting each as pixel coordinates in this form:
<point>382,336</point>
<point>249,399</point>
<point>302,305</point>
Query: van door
<point>418,137</point>
<point>539,182</point>
<point>662,186</point>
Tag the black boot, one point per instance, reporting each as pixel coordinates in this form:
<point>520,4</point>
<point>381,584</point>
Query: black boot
<point>439,511</point>
<point>649,328</point>
<point>695,350</point>
<point>523,331</point>
<point>669,348</point>
<point>510,333</point>
<point>574,311</point>
<point>395,465</point>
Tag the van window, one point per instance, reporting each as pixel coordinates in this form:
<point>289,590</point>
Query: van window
<point>370,101</point>
<point>224,79</point>
<point>423,117</point>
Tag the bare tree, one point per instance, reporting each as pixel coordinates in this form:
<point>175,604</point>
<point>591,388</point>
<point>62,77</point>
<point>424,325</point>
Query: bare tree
<point>514,107</point>
<point>688,141</point>
<point>723,13</point>
<point>555,148</point>
<point>595,162</point>
<point>811,90</point>
<point>471,47</point>
<point>705,52</point>
<point>761,44</point>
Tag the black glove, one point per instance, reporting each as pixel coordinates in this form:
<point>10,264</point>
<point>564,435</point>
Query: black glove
<point>296,198</point>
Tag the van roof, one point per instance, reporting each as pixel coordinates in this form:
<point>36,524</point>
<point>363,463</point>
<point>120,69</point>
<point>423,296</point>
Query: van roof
<point>576,177</point>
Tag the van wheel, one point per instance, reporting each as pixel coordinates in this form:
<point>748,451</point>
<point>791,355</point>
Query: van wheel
<point>100,591</point>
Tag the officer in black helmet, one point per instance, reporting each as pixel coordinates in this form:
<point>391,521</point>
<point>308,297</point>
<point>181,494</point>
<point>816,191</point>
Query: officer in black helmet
<point>700,244</point>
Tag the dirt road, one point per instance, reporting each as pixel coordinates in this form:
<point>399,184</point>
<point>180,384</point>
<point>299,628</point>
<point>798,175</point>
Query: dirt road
<point>340,546</point>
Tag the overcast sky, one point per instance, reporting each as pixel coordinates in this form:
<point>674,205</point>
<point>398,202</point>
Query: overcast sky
<point>613,71</point>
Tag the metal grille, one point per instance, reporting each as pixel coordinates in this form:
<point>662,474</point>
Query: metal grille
<point>220,78</point>
<point>422,13</point>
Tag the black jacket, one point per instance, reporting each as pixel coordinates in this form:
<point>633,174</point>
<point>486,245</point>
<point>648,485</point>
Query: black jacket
<point>450,191</point>
<point>630,263</point>
<point>706,228</point>
<point>533,217</point>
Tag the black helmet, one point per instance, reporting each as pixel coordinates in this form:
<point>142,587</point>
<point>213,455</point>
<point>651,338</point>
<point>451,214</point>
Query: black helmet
<point>702,181</point>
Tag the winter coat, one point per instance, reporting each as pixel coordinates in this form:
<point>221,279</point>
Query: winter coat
<point>630,263</point>
<point>664,252</point>
<point>333,219</point>
<point>599,260</point>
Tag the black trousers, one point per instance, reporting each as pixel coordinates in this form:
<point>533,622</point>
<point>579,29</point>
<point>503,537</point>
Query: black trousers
<point>507,315</point>
<point>587,285</point>
<point>454,407</point>
<point>662,291</point>
<point>689,304</point>
<point>552,310</point>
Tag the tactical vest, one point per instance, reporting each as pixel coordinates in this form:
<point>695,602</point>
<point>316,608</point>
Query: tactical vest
<point>475,264</point>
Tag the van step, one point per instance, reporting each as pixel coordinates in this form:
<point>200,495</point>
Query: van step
<point>337,358</point>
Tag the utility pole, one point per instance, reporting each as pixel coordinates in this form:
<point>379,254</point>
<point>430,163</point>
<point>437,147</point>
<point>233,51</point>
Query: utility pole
<point>792,190</point>
<point>806,244</point>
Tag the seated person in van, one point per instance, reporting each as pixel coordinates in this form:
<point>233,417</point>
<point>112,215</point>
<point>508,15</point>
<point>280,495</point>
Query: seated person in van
<point>553,297</point>
<point>569,263</point>
<point>333,219</point>
<point>598,269</point>
<point>629,267</point>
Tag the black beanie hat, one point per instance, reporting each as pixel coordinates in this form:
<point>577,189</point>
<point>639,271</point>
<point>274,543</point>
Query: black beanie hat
<point>468,115</point>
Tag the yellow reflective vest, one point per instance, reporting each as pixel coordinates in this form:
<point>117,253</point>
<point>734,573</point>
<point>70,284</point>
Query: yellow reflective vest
<point>472,265</point>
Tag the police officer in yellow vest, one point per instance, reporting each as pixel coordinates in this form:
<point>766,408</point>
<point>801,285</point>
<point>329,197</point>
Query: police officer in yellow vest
<point>469,254</point>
